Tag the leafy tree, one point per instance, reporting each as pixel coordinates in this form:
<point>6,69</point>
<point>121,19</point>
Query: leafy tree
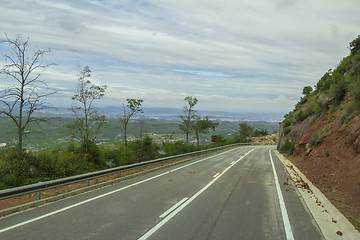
<point>325,82</point>
<point>88,121</point>
<point>245,131</point>
<point>27,93</point>
<point>260,133</point>
<point>188,117</point>
<point>338,88</point>
<point>355,45</point>
<point>132,107</point>
<point>307,90</point>
<point>202,126</point>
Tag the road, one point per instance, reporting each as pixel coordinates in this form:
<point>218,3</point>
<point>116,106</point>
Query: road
<point>242,193</point>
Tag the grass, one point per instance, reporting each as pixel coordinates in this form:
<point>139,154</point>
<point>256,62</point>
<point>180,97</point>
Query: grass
<point>320,134</point>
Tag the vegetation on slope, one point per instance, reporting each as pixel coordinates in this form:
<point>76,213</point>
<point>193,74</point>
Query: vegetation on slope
<point>322,134</point>
<point>336,95</point>
<point>71,158</point>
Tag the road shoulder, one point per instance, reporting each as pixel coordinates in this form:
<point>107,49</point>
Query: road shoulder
<point>331,222</point>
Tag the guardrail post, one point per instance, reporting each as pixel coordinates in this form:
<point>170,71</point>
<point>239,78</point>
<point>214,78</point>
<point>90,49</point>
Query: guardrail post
<point>119,174</point>
<point>38,195</point>
<point>87,182</point>
<point>141,168</point>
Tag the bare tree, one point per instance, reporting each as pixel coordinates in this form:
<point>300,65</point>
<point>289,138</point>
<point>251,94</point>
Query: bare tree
<point>26,94</point>
<point>88,120</point>
<point>188,117</point>
<point>132,107</point>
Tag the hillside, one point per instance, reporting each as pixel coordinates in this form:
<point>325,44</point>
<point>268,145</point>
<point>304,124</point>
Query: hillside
<point>54,132</point>
<point>322,134</point>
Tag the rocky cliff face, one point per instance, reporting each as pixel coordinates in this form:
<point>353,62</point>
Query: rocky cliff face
<point>322,135</point>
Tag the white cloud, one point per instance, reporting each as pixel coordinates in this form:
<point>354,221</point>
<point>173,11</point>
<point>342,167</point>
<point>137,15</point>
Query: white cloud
<point>234,55</point>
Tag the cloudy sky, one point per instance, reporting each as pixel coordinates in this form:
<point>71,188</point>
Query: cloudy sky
<point>233,55</point>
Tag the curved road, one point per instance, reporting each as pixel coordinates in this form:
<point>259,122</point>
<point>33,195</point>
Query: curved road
<point>242,193</point>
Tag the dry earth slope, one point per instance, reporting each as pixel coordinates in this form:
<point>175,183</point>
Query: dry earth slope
<point>322,135</point>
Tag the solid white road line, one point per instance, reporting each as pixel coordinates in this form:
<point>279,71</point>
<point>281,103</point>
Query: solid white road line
<point>177,210</point>
<point>106,194</point>
<point>287,226</point>
<point>173,208</point>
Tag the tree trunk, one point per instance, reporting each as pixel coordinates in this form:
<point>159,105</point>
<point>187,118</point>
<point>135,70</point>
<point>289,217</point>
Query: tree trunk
<point>20,125</point>
<point>198,141</point>
<point>125,137</point>
<point>20,144</point>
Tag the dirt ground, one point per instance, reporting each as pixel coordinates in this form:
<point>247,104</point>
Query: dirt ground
<point>333,165</point>
<point>266,140</point>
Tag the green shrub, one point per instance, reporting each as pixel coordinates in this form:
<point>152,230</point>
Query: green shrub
<point>338,88</point>
<point>333,111</point>
<point>355,90</point>
<point>287,130</point>
<point>351,109</point>
<point>288,147</point>
<point>260,133</point>
<point>327,154</point>
<point>139,150</point>
<point>301,116</point>
<point>287,122</point>
<point>14,171</point>
<point>177,148</point>
<point>90,152</point>
<point>324,83</point>
<point>70,163</point>
<point>315,106</point>
<point>319,135</point>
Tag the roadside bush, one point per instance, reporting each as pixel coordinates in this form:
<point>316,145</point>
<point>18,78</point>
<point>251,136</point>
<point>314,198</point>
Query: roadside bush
<point>260,133</point>
<point>288,147</point>
<point>112,156</point>
<point>139,150</point>
<point>70,163</point>
<point>90,152</point>
<point>14,171</point>
<point>177,148</point>
<point>44,163</point>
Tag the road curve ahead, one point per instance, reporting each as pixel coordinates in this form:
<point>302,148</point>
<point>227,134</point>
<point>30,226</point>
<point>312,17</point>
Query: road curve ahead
<point>241,193</point>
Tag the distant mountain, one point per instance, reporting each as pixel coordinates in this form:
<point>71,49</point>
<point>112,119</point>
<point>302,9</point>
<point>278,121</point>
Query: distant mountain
<point>173,113</point>
<point>170,114</point>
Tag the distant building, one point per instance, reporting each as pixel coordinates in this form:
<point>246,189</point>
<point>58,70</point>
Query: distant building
<point>2,144</point>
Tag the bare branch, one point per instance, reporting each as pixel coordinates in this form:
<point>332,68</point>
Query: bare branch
<point>22,99</point>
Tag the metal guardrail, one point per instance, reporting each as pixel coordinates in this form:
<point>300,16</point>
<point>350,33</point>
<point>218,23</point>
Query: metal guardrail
<point>41,186</point>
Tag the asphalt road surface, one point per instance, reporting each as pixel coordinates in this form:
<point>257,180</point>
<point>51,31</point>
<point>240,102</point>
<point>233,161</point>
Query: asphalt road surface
<point>242,193</point>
